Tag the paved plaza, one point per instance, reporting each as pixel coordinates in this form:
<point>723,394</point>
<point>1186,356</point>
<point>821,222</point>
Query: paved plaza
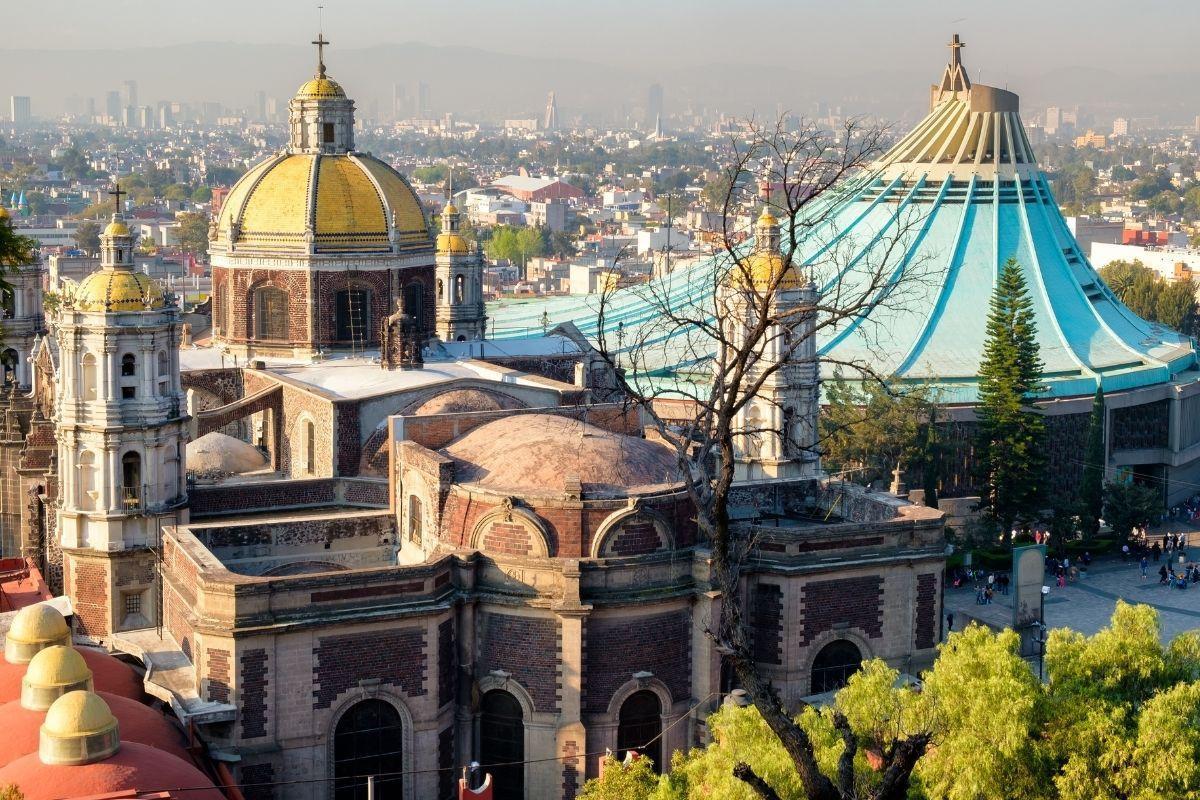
<point>1087,604</point>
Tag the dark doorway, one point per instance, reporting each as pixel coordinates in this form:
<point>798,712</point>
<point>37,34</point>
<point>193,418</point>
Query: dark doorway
<point>414,304</point>
<point>352,316</point>
<point>639,725</point>
<point>368,741</point>
<point>502,741</point>
<point>834,665</point>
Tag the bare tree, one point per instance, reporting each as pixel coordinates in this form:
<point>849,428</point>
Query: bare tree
<point>697,352</point>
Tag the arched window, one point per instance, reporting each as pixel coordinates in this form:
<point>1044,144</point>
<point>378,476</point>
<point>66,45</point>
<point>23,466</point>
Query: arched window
<point>310,447</point>
<point>834,665</point>
<point>352,315</point>
<point>131,481</point>
<point>220,303</point>
<point>458,288</point>
<point>89,377</point>
<point>639,725</point>
<point>414,519</point>
<point>164,373</point>
<point>414,304</point>
<point>128,365</point>
<point>270,313</point>
<point>87,481</point>
<point>502,741</point>
<point>440,290</point>
<point>8,364</point>
<point>368,741</point>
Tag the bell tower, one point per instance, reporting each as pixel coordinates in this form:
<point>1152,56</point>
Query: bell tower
<point>122,430</point>
<point>459,280</point>
<point>775,434</point>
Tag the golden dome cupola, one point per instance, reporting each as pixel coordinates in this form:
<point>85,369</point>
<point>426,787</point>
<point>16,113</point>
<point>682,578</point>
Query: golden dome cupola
<point>116,287</point>
<point>321,116</point>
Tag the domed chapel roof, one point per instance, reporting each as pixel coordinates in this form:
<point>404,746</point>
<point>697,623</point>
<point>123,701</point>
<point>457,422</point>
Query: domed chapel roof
<point>533,453</point>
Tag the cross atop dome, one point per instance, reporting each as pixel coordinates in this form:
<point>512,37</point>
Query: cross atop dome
<point>116,194</point>
<point>320,42</point>
<point>954,79</point>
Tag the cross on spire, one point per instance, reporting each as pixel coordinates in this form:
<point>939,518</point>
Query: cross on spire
<point>320,42</point>
<point>955,45</point>
<point>116,193</point>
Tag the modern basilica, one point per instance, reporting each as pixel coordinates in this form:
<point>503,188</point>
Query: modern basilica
<point>350,537</point>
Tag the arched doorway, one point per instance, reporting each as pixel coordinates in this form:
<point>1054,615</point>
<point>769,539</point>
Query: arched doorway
<point>8,363</point>
<point>639,726</point>
<point>352,316</point>
<point>502,741</point>
<point>368,740</point>
<point>834,665</point>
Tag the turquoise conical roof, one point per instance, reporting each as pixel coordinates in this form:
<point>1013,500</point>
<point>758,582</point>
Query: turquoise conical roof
<point>950,203</point>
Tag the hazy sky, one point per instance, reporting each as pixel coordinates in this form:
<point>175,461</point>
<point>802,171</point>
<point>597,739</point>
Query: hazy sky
<point>864,35</point>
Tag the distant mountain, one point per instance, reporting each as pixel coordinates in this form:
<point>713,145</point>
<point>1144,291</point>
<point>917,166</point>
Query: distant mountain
<point>474,82</point>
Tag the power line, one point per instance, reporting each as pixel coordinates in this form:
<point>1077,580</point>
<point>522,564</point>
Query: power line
<point>391,775</point>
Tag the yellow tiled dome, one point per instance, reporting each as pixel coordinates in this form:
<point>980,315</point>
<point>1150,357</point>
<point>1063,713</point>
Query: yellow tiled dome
<point>34,628</point>
<point>346,200</point>
<point>320,88</point>
<point>110,289</point>
<point>78,714</point>
<point>117,228</point>
<point>767,218</point>
<point>762,268</point>
<point>52,673</point>
<point>452,244</point>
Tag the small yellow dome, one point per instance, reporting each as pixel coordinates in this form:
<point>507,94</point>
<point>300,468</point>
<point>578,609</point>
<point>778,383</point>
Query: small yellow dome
<point>56,666</point>
<point>767,218</point>
<point>450,209</point>
<point>110,289</point>
<point>117,228</point>
<point>34,628</point>
<point>78,714</point>
<point>762,268</point>
<point>319,88</point>
<point>452,244</point>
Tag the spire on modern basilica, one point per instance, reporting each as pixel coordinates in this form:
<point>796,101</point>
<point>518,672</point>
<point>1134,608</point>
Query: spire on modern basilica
<point>321,116</point>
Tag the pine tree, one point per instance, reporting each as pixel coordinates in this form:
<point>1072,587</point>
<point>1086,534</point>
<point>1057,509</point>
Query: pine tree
<point>1010,429</point>
<point>1091,488</point>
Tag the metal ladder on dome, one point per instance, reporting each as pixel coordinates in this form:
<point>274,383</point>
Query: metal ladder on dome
<point>353,312</point>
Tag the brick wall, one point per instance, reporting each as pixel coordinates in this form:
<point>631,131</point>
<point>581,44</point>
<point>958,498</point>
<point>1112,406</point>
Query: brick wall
<point>617,647</point>
<point>856,602</point>
<point>254,778</point>
<point>527,648</point>
<point>506,538</point>
<point>636,538</point>
<point>766,616</point>
<point>253,692</point>
<point>570,773</point>
<point>234,498</point>
<point>217,673</point>
<point>349,441</point>
<point>90,595</point>
<point>396,657</point>
<point>447,663</point>
<point>377,283</point>
<point>926,623</point>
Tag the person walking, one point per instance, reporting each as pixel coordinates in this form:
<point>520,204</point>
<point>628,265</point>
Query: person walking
<point>1145,565</point>
<point>949,624</point>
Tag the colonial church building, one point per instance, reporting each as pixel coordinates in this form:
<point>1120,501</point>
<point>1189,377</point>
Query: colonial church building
<point>378,545</point>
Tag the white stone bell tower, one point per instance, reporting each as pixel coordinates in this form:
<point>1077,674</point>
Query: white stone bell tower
<point>121,419</point>
<point>776,432</point>
<point>459,279</point>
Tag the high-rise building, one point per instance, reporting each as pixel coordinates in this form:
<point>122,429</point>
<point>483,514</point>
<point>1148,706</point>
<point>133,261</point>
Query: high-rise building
<point>399,101</point>
<point>112,106</point>
<point>131,93</point>
<point>1120,127</point>
<point>654,103</point>
<point>20,110</point>
<point>550,121</point>
<point>1053,120</point>
<point>423,109</point>
<point>260,105</point>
